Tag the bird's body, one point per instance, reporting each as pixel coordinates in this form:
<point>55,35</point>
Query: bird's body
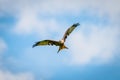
<point>59,43</point>
<point>62,46</point>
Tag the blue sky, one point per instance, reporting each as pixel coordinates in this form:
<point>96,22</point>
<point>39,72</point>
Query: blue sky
<point>94,47</point>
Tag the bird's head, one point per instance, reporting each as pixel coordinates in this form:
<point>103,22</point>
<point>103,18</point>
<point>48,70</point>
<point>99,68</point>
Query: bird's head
<point>61,41</point>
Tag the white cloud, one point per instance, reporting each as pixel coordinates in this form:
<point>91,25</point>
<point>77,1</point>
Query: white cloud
<point>27,12</point>
<point>98,46</point>
<point>7,75</point>
<point>53,6</point>
<point>3,45</point>
<point>97,43</point>
<point>94,44</point>
<point>28,22</point>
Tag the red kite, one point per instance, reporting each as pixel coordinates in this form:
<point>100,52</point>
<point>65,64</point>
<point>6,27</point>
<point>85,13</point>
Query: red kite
<point>59,43</point>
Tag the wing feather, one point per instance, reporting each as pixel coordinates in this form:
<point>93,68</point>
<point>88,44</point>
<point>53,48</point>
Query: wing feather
<point>69,30</point>
<point>46,42</point>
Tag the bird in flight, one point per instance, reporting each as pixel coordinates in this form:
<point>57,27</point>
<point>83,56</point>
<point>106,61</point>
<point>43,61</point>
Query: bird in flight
<point>59,43</point>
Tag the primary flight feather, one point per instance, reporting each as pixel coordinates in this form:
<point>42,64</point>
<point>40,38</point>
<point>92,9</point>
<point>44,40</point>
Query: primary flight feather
<point>59,43</point>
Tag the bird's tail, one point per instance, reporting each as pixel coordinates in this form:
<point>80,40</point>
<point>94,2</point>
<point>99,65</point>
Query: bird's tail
<point>62,47</point>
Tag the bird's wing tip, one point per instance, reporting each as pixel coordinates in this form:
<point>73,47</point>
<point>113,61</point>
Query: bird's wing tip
<point>33,45</point>
<point>76,24</point>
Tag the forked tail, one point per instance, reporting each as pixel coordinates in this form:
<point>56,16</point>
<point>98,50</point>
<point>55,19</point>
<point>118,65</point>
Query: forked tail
<point>62,47</point>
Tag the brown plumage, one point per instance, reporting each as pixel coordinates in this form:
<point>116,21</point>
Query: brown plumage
<point>58,43</point>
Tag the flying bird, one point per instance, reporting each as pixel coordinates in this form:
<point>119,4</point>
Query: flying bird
<point>59,43</point>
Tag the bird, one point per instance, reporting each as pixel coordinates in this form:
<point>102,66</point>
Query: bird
<point>59,43</point>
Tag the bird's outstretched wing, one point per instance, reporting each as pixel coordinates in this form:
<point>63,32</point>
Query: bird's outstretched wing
<point>46,42</point>
<point>69,30</point>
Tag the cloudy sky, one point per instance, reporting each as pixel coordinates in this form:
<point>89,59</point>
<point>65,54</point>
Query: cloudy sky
<point>94,46</point>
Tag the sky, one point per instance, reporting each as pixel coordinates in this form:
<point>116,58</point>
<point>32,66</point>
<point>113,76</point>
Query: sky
<point>94,46</point>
